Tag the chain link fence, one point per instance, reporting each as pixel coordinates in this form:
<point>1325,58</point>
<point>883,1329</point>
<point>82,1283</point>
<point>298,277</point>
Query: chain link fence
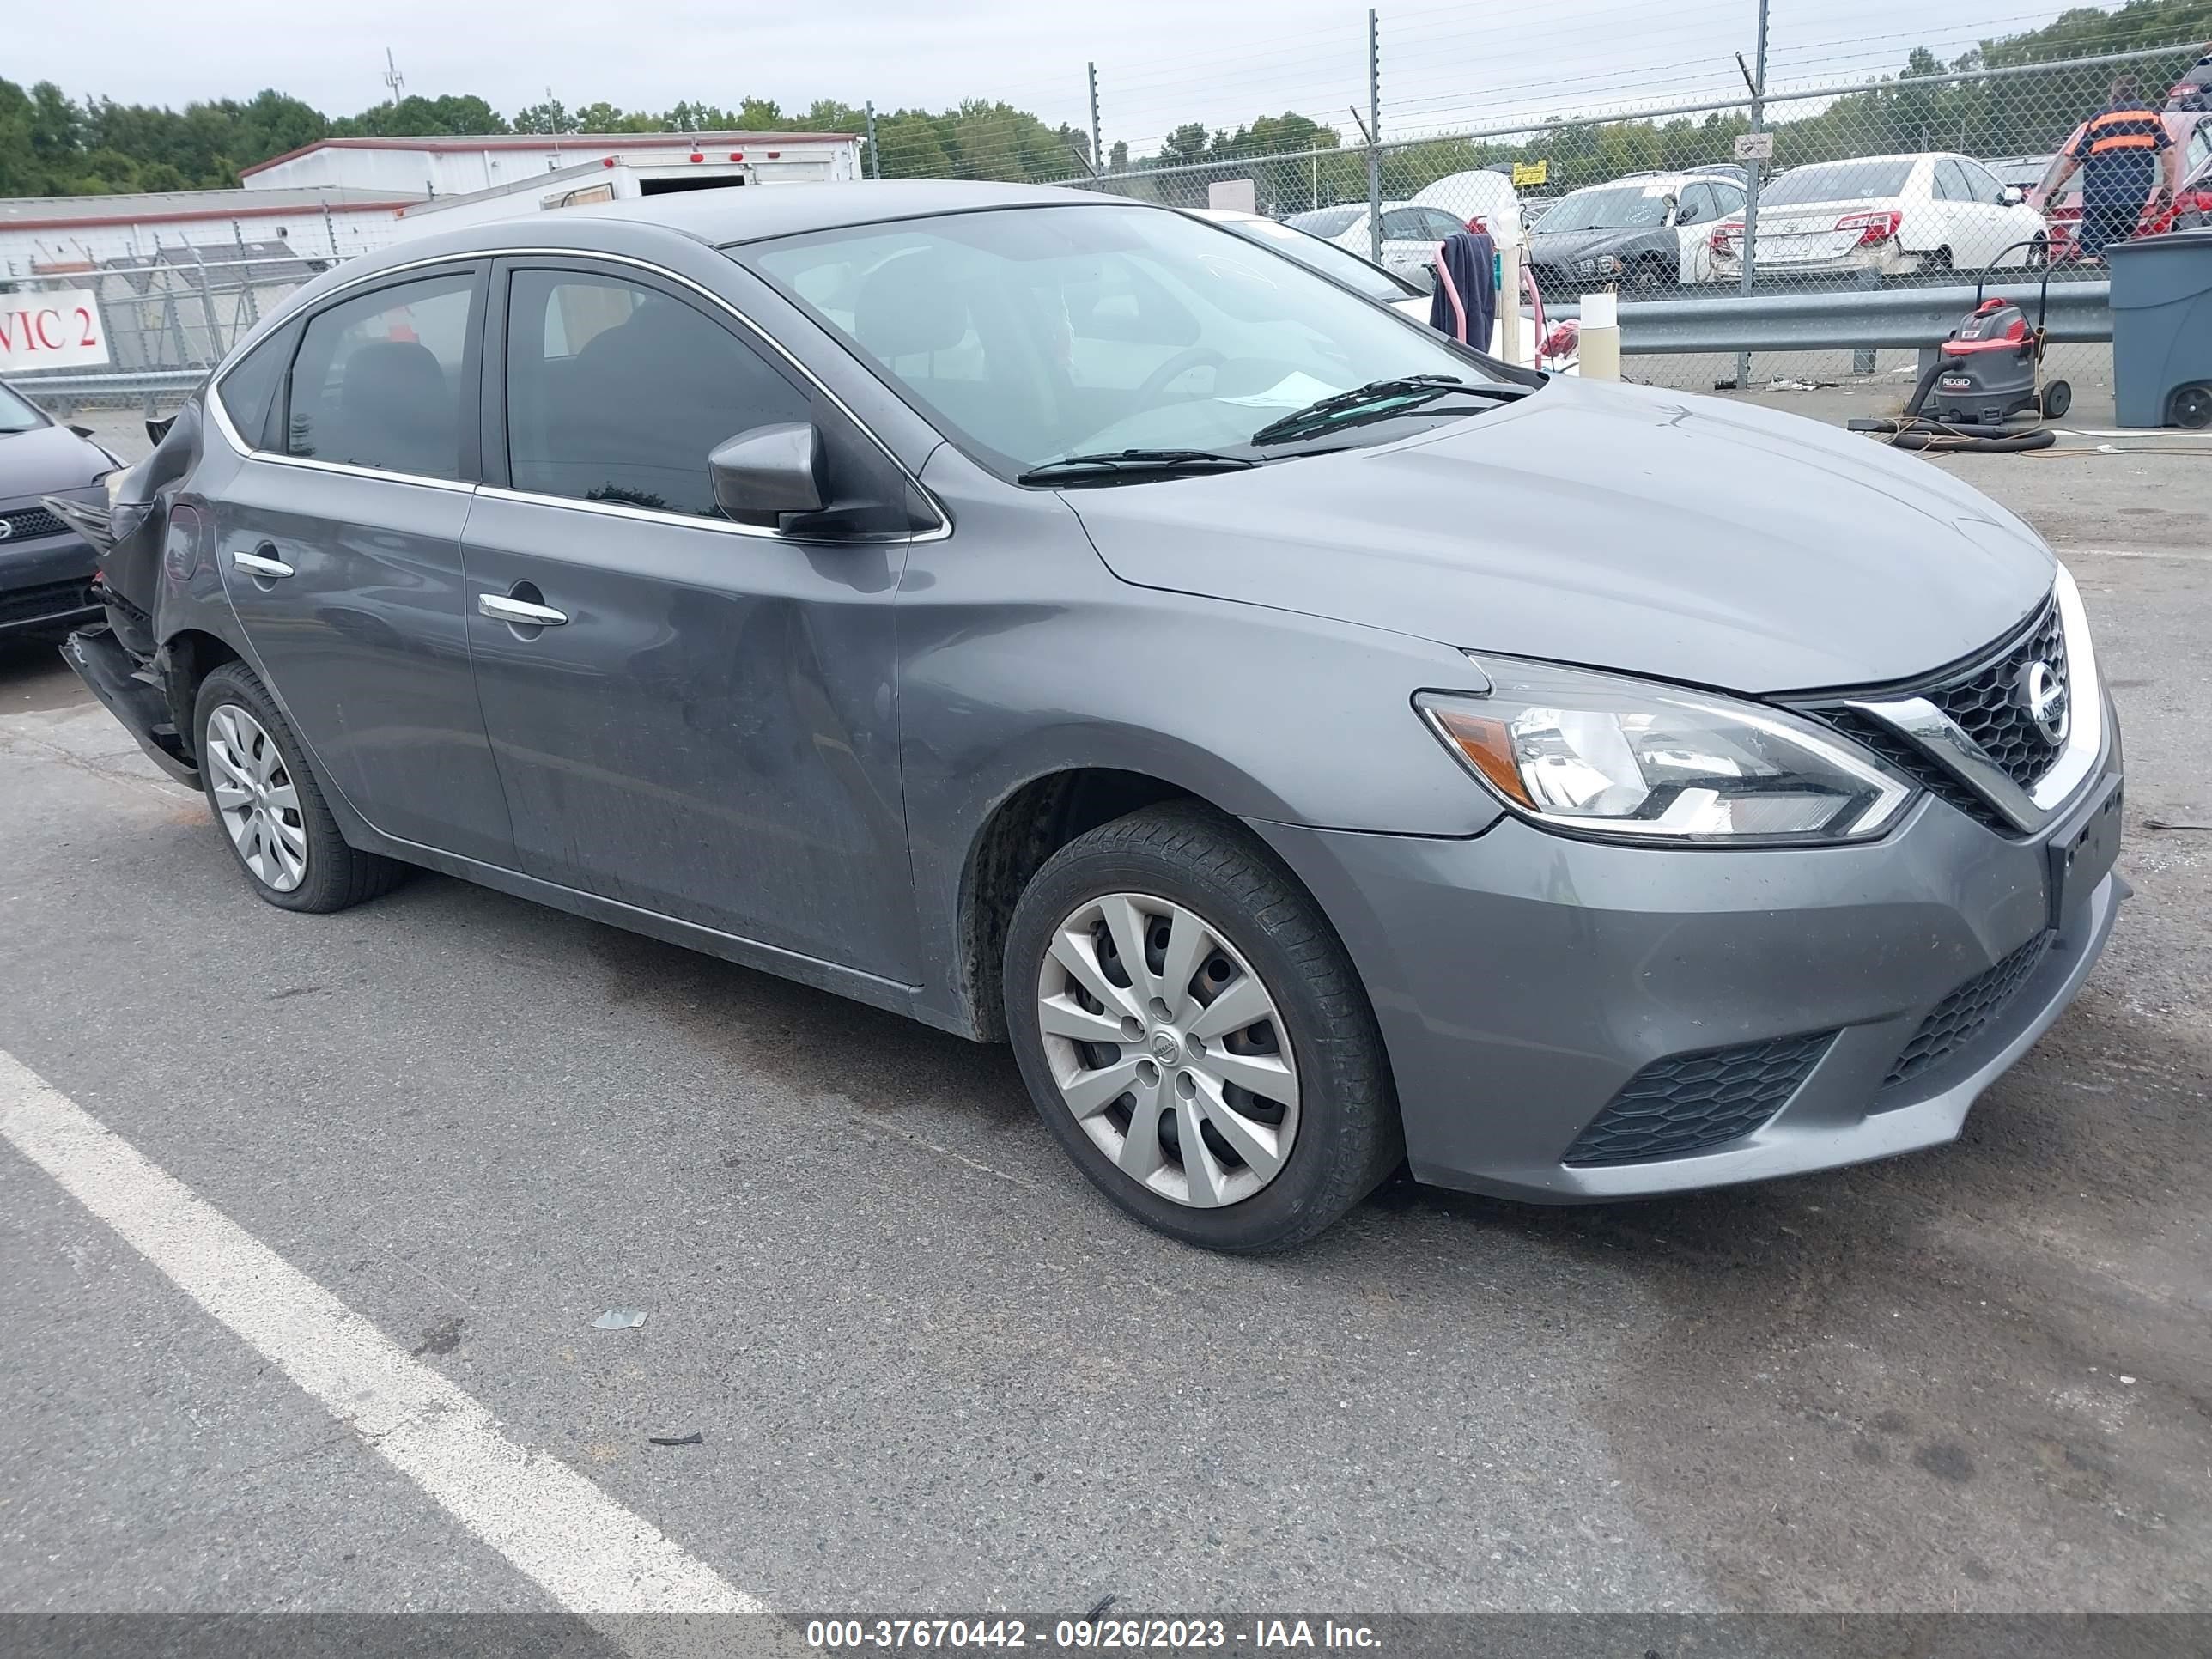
<point>1680,188</point>
<point>166,318</point>
<point>1943,176</point>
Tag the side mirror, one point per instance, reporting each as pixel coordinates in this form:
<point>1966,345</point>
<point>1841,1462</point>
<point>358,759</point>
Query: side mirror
<point>2012,195</point>
<point>761,475</point>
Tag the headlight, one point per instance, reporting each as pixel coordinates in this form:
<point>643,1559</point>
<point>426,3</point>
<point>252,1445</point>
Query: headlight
<point>1598,755</point>
<point>1605,265</point>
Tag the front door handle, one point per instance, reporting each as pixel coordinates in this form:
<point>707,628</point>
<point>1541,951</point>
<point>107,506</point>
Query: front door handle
<point>519,613</point>
<point>260,564</point>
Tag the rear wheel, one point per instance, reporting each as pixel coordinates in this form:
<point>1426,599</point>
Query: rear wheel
<point>2192,407</point>
<point>2058,399</point>
<point>1193,1032</point>
<point>270,808</point>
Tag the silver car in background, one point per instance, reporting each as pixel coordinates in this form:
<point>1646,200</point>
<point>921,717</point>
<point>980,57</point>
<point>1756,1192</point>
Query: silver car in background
<point>1315,746</point>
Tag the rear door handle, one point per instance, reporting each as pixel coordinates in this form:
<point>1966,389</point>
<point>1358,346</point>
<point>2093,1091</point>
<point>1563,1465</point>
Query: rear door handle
<point>520,612</point>
<point>260,564</point>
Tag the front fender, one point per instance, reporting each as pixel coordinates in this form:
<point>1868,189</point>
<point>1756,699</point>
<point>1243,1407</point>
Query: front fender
<point>1022,655</point>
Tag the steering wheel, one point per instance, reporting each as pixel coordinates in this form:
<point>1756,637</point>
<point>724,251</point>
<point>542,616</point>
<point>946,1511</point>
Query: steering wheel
<point>1177,366</point>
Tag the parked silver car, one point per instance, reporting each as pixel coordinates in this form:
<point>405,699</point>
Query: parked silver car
<point>1313,745</point>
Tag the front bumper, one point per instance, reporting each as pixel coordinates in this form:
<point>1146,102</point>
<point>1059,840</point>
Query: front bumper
<point>43,583</point>
<point>1523,979</point>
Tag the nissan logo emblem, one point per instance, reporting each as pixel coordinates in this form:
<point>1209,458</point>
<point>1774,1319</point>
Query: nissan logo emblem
<point>2043,695</point>
<point>7,528</point>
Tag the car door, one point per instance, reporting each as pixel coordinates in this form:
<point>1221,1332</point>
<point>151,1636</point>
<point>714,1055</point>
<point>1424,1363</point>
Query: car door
<point>1694,216</point>
<point>2000,228</point>
<point>1958,226</point>
<point>338,538</point>
<point>702,724</point>
<point>1407,247</point>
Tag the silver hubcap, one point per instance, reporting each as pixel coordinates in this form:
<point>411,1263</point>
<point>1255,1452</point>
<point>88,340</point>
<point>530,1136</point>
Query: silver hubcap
<point>255,798</point>
<point>1168,1049</point>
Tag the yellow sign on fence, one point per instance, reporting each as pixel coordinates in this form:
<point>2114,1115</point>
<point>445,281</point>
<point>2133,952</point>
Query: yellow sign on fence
<point>1530,173</point>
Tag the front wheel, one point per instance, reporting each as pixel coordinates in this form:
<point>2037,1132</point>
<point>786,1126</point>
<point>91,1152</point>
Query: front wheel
<point>1193,1034</point>
<point>272,812</point>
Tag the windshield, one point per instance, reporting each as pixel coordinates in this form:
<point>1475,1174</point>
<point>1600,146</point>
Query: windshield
<point>1611,207</point>
<point>1840,181</point>
<point>1328,222</point>
<point>1340,265</point>
<point>15,414</point>
<point>1029,334</point>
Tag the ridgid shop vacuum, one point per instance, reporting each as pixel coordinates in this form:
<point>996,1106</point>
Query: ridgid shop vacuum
<point>1986,373</point>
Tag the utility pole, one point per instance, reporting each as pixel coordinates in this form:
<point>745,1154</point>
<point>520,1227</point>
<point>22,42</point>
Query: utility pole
<point>1751,190</point>
<point>875,155</point>
<point>1097,149</point>
<point>1375,136</point>
<point>392,78</point>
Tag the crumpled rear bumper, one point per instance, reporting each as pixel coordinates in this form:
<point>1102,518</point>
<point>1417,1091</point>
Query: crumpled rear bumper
<point>108,669</point>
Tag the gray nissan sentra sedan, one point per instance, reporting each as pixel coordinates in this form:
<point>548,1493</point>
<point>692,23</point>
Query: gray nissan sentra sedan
<point>1313,745</point>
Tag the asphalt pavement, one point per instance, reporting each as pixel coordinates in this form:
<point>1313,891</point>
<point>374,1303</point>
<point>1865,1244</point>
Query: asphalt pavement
<point>931,1370</point>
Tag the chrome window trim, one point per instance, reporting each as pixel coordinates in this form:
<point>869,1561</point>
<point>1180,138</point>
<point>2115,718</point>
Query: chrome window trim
<point>1923,723</point>
<point>237,442</point>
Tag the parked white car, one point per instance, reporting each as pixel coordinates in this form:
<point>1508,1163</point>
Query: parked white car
<point>1410,234</point>
<point>1894,215</point>
<point>1481,200</point>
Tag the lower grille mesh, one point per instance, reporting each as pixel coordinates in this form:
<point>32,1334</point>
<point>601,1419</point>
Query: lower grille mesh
<point>1956,1020</point>
<point>1689,1104</point>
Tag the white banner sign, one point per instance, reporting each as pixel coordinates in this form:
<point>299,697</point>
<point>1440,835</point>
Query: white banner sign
<point>51,331</point>
<point>1755,147</point>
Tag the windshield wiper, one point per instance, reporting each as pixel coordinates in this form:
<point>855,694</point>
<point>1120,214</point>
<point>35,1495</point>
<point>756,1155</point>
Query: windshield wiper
<point>1134,463</point>
<point>1375,398</point>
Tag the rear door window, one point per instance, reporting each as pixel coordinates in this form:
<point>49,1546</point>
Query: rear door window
<point>247,391</point>
<point>382,379</point>
<point>1951,182</point>
<point>618,391</point>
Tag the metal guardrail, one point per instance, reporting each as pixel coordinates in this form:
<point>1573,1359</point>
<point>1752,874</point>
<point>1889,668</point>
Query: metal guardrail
<point>109,383</point>
<point>1843,319</point>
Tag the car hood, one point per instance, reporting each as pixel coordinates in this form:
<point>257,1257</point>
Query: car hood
<point>45,461</point>
<point>1559,247</point>
<point>1683,538</point>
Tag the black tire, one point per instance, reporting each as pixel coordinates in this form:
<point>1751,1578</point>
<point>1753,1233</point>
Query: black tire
<point>2058,399</point>
<point>336,876</point>
<point>2038,253</point>
<point>2191,408</point>
<point>1348,1137</point>
<point>1648,278</point>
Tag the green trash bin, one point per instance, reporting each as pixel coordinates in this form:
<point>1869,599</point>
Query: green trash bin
<point>2162,329</point>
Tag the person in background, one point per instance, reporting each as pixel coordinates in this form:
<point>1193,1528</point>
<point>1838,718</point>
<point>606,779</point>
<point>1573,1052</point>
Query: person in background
<point>2118,153</point>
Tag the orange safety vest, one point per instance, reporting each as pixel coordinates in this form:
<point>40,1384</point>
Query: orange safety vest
<point>2123,129</point>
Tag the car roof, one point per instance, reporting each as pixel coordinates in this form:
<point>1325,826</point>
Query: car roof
<point>727,216</point>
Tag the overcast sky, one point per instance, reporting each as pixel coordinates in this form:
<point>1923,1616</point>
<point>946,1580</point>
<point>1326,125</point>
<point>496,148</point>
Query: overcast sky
<point>1160,62</point>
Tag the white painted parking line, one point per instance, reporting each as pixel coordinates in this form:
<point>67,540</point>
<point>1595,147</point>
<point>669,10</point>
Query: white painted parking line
<point>2133,552</point>
<point>591,1555</point>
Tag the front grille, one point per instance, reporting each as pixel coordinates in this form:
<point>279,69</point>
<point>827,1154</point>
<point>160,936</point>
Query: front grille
<point>1986,702</point>
<point>1689,1104</point>
<point>1983,699</point>
<point>27,523</point>
<point>1908,757</point>
<point>20,605</point>
<point>1959,1018</point>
